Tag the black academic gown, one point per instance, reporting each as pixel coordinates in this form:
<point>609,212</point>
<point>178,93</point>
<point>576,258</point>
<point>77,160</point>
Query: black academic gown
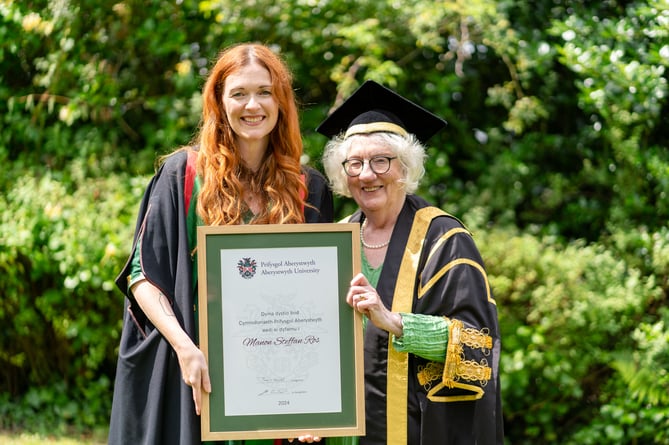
<point>433,267</point>
<point>152,405</point>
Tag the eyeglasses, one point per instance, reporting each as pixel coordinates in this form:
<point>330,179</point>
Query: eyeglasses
<point>379,165</point>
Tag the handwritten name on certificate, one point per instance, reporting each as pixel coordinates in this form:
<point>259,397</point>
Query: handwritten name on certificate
<point>281,331</point>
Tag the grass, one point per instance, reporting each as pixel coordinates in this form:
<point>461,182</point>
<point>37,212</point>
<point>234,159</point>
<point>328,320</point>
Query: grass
<point>25,438</point>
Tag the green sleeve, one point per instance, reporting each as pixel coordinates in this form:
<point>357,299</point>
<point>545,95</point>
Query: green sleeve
<point>136,274</point>
<point>424,335</point>
<point>341,440</point>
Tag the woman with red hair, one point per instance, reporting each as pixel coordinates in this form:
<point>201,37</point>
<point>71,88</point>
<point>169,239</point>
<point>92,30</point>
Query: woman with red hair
<point>243,168</point>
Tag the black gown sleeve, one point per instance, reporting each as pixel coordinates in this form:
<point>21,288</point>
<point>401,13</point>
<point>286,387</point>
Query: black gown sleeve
<point>320,208</point>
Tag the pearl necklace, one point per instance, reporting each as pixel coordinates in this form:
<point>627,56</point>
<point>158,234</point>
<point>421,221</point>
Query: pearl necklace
<point>370,246</point>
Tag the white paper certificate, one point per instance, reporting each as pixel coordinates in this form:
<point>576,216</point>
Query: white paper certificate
<point>280,331</point>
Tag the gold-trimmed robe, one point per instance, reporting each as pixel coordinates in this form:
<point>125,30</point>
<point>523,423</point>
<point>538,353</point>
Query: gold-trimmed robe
<point>433,267</point>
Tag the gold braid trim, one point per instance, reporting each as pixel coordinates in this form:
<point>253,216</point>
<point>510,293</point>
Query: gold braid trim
<point>476,339</point>
<point>474,372</point>
<point>398,362</point>
<point>456,368</point>
<point>375,127</point>
<point>429,373</point>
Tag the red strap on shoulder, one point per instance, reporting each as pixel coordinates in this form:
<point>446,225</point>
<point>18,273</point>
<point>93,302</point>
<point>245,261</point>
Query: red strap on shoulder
<point>189,179</point>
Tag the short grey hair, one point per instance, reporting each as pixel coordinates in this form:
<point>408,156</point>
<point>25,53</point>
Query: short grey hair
<point>409,151</point>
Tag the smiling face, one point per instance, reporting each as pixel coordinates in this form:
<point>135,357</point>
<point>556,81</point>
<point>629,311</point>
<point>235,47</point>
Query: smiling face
<point>250,106</point>
<point>376,193</point>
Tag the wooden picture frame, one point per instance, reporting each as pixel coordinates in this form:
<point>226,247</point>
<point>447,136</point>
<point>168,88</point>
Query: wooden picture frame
<point>283,347</point>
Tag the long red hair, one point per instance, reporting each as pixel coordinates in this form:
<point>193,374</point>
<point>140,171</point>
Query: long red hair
<point>279,181</point>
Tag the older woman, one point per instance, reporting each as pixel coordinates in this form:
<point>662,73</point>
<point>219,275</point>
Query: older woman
<point>432,342</point>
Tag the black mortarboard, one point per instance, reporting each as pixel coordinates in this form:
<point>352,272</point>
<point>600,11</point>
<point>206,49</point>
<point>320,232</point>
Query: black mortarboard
<point>373,108</point>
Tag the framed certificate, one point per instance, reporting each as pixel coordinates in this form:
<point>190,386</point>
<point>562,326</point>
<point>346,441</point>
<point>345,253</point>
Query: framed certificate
<point>284,348</point>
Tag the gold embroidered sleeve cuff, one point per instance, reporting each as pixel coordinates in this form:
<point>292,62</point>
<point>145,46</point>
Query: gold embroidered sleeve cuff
<point>466,370</point>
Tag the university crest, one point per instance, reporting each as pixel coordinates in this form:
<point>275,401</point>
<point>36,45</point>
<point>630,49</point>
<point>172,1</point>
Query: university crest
<point>247,268</point>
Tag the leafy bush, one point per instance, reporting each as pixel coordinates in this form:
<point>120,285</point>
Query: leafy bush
<point>581,334</point>
<point>60,250</point>
<point>115,82</point>
<point>555,149</point>
<point>624,417</point>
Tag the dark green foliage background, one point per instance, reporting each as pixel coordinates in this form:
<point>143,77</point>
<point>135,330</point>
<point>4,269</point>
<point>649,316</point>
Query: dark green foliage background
<point>555,156</point>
